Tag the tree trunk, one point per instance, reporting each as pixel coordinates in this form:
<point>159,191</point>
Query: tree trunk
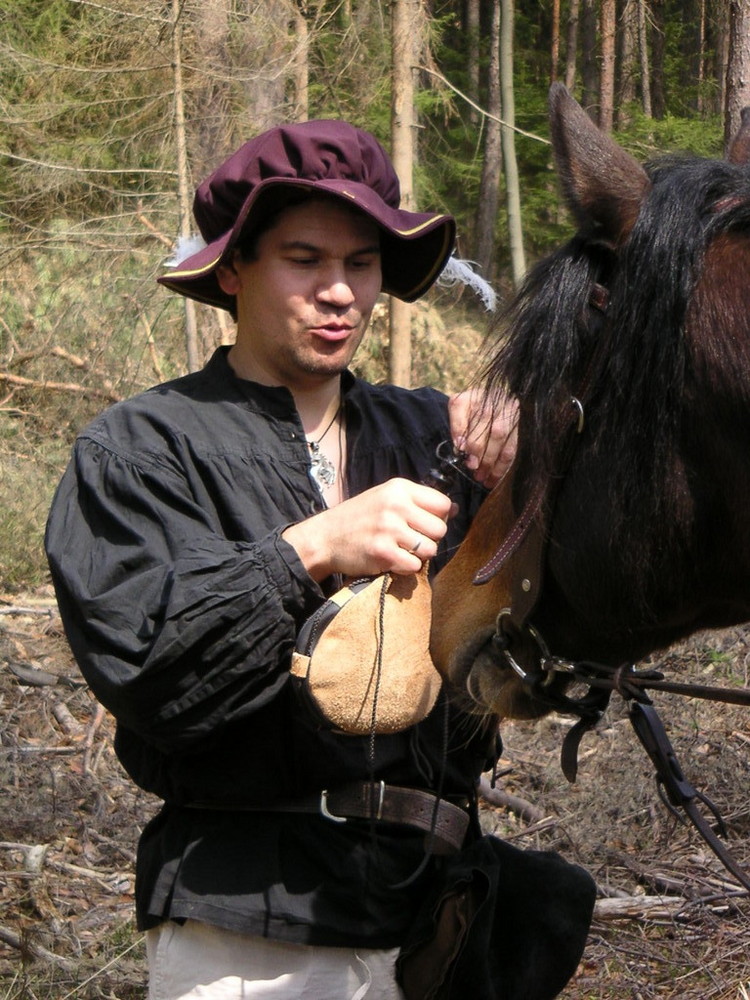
<point>512,186</point>
<point>571,44</point>
<point>404,26</point>
<point>701,65</point>
<point>738,70</point>
<point>658,99</point>
<point>301,62</point>
<point>489,187</point>
<point>722,51</point>
<point>589,73</point>
<point>210,103</point>
<point>626,63</point>
<point>183,178</point>
<point>263,64</point>
<point>555,42</point>
<point>607,78</point>
<point>644,60</point>
<point>472,55</point>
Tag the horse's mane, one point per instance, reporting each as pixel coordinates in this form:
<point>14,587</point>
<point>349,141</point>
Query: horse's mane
<point>547,333</point>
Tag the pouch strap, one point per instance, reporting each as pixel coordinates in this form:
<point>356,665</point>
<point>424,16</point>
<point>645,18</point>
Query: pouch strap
<point>445,822</point>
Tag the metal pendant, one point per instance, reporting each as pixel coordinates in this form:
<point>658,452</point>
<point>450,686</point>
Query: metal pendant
<point>322,469</point>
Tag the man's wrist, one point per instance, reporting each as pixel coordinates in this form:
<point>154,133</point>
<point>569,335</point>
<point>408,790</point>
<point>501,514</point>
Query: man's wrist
<point>308,541</point>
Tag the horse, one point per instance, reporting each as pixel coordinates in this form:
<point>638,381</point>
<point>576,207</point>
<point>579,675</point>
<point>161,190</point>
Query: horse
<point>623,525</point>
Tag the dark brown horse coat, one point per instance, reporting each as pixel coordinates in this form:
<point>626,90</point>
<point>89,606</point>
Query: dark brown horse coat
<point>645,512</point>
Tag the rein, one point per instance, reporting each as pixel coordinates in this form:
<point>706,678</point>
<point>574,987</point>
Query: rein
<point>528,537</point>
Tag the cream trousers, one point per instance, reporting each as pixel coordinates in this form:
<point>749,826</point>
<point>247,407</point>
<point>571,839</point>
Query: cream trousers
<point>195,961</point>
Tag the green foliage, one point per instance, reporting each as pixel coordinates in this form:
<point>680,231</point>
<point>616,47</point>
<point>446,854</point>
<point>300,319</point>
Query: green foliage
<point>647,138</point>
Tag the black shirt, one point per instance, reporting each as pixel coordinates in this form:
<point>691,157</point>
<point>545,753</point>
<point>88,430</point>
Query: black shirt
<point>181,603</point>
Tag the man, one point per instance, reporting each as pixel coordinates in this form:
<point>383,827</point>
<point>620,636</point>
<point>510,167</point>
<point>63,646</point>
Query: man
<point>200,524</point>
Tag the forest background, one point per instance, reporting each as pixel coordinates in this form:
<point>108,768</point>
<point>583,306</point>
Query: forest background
<point>111,112</point>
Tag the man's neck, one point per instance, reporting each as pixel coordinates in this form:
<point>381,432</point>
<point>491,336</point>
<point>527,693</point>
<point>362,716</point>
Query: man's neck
<point>319,410</point>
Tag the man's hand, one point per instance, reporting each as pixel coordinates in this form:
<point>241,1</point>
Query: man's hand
<point>393,528</point>
<point>485,430</point>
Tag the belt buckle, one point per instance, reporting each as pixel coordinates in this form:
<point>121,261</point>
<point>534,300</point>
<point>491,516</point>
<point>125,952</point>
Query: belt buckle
<point>324,810</point>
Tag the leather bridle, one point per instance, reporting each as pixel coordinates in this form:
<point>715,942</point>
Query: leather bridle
<point>515,634</point>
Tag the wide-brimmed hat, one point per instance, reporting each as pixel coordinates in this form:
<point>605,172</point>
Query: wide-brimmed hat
<point>324,157</point>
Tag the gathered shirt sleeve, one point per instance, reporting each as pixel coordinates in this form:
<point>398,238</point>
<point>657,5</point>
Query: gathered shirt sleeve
<point>180,599</point>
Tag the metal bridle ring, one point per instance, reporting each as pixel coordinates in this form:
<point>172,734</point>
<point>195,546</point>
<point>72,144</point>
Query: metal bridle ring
<point>544,656</point>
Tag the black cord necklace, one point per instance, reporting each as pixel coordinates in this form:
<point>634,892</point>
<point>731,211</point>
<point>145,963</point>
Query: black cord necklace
<point>322,469</point>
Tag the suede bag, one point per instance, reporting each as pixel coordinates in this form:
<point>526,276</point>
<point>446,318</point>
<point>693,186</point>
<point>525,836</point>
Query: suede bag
<point>362,662</point>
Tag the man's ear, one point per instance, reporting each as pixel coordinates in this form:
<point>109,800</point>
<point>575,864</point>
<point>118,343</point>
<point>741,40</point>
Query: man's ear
<point>226,275</point>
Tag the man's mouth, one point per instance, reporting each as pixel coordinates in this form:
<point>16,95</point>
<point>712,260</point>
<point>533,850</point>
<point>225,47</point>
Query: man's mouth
<point>333,332</point>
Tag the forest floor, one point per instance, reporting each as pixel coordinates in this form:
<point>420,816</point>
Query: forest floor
<point>669,923</point>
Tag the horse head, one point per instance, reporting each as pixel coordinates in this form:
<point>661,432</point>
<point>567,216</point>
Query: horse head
<point>623,525</point>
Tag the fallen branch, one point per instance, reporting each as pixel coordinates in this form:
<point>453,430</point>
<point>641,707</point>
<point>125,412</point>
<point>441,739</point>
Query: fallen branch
<point>82,363</point>
<point>656,880</point>
<point>66,720</point>
<point>34,950</point>
<point>82,390</point>
<point>49,612</point>
<point>521,807</point>
<point>639,907</point>
<point>546,824</point>
<point>91,731</point>
<point>148,224</point>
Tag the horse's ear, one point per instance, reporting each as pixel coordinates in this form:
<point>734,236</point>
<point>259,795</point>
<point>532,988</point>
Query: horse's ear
<point>602,183</point>
<point>739,147</point>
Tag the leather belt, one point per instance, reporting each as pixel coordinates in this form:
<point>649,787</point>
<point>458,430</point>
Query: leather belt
<point>444,822</point>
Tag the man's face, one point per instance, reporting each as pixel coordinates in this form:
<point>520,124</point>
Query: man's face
<point>304,301</point>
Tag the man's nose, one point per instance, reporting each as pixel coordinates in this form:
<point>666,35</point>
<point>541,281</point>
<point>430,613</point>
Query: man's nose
<point>336,289</point>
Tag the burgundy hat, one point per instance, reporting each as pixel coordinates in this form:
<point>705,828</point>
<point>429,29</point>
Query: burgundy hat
<point>324,157</point>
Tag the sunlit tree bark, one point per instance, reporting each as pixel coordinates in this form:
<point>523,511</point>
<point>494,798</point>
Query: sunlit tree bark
<point>404,27</point>
<point>738,70</point>
<point>183,177</point>
<point>722,50</point>
<point>658,96</point>
<point>589,66</point>
<point>512,184</point>
<point>608,24</point>
<point>571,44</point>
<point>301,62</point>
<point>489,187</point>
<point>472,54</point>
<point>644,57</point>
<point>209,111</point>
<point>555,41</point>
<point>627,71</point>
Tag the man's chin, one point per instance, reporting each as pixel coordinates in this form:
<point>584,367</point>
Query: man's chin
<point>328,364</point>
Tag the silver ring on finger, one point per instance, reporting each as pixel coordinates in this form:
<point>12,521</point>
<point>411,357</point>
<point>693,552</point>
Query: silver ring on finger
<point>415,548</point>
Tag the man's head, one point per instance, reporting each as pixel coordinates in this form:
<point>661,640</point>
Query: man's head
<point>239,200</point>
